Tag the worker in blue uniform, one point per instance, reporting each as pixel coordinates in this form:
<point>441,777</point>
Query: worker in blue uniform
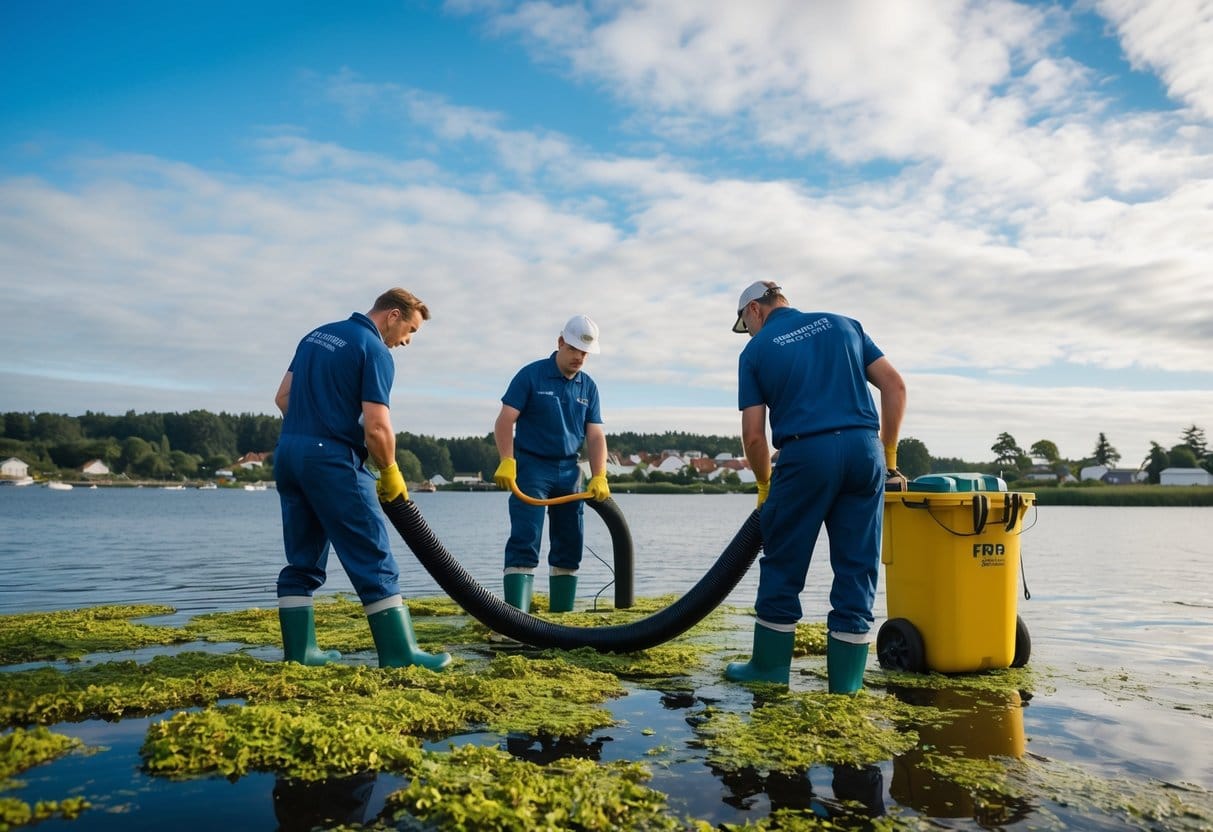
<point>810,371</point>
<point>334,400</point>
<point>549,410</point>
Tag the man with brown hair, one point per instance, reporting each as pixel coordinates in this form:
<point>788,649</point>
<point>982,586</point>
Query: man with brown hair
<point>334,400</point>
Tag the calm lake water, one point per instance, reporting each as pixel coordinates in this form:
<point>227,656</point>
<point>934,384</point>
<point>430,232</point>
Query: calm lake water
<point>1120,614</point>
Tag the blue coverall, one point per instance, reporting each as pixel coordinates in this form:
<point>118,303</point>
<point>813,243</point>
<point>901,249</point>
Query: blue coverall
<point>809,369</point>
<point>326,492</point>
<point>548,435</point>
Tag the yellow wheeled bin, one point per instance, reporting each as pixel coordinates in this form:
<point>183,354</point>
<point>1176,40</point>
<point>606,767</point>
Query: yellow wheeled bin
<point>950,552</point>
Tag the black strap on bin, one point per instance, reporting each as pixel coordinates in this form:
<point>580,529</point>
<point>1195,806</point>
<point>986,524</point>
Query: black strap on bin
<point>1011,511</point>
<point>981,512</point>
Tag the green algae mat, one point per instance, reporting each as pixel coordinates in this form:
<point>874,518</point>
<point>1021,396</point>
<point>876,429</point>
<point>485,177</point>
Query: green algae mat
<point>512,738</point>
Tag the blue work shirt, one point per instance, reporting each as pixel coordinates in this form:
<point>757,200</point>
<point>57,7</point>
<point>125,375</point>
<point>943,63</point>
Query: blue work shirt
<point>810,370</point>
<point>336,368</point>
<point>553,410</point>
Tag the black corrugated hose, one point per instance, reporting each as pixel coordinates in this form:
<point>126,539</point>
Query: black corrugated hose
<point>660,627</point>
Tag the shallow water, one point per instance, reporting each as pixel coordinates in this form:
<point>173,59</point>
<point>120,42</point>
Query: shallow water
<point>1120,616</point>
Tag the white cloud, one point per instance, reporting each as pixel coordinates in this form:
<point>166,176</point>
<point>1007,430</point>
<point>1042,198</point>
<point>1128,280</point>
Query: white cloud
<point>1171,37</point>
<point>1026,231</point>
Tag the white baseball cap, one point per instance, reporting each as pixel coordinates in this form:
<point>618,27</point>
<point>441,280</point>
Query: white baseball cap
<point>581,333</point>
<point>753,292</point>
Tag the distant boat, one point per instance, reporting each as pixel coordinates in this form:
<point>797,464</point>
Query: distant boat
<point>207,486</point>
<point>254,488</point>
<point>174,488</point>
<point>18,482</point>
<point>55,485</point>
<point>426,486</point>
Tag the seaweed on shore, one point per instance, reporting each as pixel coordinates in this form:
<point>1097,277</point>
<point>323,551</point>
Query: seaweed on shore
<point>73,634</point>
<point>21,750</point>
<point>229,715</point>
<point>485,788</point>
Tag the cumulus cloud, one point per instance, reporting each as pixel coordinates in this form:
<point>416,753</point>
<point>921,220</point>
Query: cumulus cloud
<point>1171,38</point>
<point>1020,229</point>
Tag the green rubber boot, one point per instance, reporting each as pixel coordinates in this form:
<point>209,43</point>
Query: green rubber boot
<point>772,659</point>
<point>299,637</point>
<point>845,663</point>
<point>518,587</point>
<point>562,589</point>
<point>392,630</point>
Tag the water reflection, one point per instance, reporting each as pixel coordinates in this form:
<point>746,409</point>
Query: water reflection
<point>544,750</point>
<point>858,791</point>
<point>862,785</point>
<point>301,805</point>
<point>979,726</point>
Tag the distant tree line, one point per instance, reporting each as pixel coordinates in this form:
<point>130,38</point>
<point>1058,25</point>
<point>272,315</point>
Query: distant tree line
<point>138,445</point>
<point>1192,451</point>
<point>199,443</point>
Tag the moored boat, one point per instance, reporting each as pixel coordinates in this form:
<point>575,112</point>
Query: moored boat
<point>19,481</point>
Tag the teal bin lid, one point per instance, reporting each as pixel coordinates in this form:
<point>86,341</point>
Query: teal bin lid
<point>947,483</point>
<point>935,483</point>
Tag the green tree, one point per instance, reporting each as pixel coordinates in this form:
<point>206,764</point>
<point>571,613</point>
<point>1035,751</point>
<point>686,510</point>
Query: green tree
<point>19,426</point>
<point>1194,438</point>
<point>76,454</point>
<point>135,450</point>
<point>184,465</point>
<point>97,425</point>
<point>1006,449</point>
<point>153,466</point>
<point>434,455</point>
<point>410,465</point>
<point>256,432</point>
<point>1182,456</point>
<point>1154,463</point>
<point>913,458</point>
<point>54,428</point>
<point>1046,450</point>
<point>199,432</point>
<point>147,426</point>
<point>474,454</point>
<point>1104,453</point>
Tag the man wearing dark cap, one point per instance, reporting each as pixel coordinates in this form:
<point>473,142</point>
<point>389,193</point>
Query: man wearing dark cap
<point>810,371</point>
<point>549,410</point>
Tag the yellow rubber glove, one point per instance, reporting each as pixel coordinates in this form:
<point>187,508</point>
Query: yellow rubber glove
<point>506,473</point>
<point>598,488</point>
<point>391,484</point>
<point>894,479</point>
<point>764,491</point>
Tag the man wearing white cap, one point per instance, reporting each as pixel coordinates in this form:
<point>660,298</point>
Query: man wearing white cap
<point>811,370</point>
<point>548,412</point>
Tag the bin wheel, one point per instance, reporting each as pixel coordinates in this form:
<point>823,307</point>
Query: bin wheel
<point>1023,644</point>
<point>899,647</point>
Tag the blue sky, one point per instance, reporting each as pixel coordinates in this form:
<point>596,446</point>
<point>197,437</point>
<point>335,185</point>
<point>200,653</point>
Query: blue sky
<point>1016,199</point>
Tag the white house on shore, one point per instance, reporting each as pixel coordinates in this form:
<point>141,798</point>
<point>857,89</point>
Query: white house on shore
<point>1113,476</point>
<point>94,468</point>
<point>1185,476</point>
<point>14,469</point>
